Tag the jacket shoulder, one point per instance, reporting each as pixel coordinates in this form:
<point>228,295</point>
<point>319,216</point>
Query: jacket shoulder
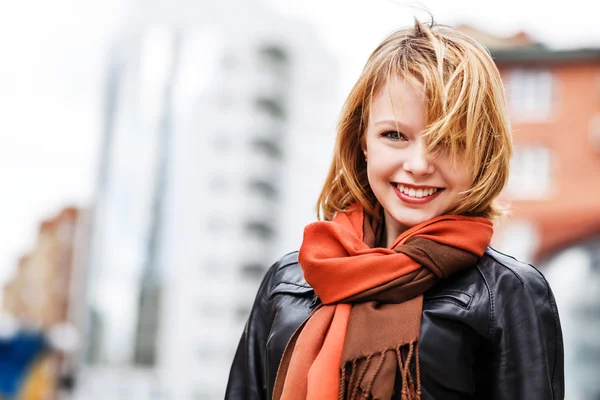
<point>504,271</point>
<point>518,292</point>
<point>287,270</point>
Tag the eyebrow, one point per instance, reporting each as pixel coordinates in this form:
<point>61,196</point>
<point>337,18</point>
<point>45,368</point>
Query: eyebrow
<point>391,122</point>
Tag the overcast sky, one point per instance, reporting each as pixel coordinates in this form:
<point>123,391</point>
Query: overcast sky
<point>53,58</point>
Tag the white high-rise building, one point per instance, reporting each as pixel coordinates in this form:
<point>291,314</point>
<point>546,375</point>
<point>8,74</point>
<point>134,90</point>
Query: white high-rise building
<point>219,130</point>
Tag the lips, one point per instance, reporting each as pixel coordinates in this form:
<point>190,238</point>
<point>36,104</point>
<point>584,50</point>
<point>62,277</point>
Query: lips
<point>416,194</point>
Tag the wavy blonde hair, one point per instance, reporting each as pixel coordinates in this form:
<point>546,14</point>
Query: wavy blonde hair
<point>466,117</point>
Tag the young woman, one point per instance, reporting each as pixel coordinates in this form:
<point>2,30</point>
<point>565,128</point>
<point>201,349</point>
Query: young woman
<point>396,293</point>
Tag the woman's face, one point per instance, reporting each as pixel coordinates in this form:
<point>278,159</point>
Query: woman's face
<point>411,186</point>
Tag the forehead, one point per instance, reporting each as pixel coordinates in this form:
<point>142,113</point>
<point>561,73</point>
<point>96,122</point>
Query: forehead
<point>399,100</point>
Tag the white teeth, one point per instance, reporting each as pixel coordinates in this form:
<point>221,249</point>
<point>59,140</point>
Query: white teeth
<point>417,193</point>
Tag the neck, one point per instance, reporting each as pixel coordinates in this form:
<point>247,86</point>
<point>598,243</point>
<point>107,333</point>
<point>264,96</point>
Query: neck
<point>392,229</point>
<point>391,238</point>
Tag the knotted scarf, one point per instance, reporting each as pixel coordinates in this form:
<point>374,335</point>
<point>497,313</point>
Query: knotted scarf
<point>367,328</point>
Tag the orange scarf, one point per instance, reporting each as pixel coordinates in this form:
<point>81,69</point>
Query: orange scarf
<point>368,325</point>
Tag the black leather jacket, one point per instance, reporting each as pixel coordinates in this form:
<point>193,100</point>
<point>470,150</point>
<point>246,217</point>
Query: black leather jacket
<point>490,332</point>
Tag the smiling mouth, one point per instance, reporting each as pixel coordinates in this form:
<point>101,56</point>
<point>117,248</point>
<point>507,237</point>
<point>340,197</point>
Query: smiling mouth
<point>417,193</point>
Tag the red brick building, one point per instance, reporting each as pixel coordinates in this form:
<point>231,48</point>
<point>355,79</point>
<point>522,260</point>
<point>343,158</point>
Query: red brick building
<point>554,102</point>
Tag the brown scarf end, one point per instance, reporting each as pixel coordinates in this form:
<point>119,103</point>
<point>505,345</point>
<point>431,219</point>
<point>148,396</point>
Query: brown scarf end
<point>358,376</point>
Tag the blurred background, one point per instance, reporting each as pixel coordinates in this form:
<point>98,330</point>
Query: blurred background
<point>156,157</point>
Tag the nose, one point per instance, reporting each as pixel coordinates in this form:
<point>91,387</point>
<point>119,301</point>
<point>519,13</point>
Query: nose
<point>418,162</point>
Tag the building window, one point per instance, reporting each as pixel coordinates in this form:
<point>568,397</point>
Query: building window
<point>270,106</point>
<point>263,188</point>
<point>274,54</point>
<point>259,229</point>
<point>267,147</point>
<point>530,94</point>
<point>530,173</point>
<point>252,271</point>
<point>274,59</point>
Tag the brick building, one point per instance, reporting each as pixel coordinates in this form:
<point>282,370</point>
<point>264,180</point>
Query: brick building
<point>554,99</point>
<point>554,103</point>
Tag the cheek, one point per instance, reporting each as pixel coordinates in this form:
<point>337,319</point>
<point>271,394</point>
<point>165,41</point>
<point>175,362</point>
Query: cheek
<point>377,180</point>
<point>464,179</point>
<point>458,176</point>
<point>378,170</point>
<point>371,174</point>
<point>459,181</point>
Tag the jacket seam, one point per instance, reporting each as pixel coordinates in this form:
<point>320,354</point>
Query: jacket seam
<point>555,315</point>
<point>491,297</point>
<point>274,291</point>
<point>294,284</point>
<point>509,268</point>
<point>450,296</point>
<point>288,264</point>
<point>455,302</point>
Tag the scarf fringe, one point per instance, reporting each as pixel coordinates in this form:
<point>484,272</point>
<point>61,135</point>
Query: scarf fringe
<point>356,388</point>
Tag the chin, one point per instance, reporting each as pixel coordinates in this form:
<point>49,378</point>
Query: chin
<point>408,221</point>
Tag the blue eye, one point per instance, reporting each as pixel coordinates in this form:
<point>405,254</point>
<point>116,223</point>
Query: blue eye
<point>394,135</point>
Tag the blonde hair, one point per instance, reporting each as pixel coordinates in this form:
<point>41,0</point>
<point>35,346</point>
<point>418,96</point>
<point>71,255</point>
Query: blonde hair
<point>466,116</point>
